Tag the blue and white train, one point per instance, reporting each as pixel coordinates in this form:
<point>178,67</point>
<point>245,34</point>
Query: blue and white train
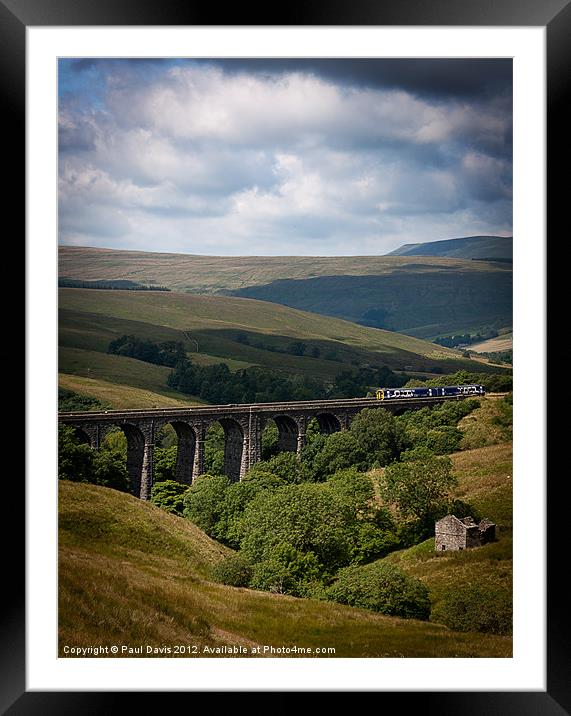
<point>448,390</point>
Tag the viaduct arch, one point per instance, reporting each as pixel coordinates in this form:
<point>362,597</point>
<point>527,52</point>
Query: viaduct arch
<point>242,424</point>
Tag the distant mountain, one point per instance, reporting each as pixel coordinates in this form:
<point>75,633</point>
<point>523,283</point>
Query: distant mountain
<point>467,247</point>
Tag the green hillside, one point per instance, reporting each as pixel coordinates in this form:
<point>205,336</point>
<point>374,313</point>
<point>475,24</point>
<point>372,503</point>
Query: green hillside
<point>423,304</point>
<point>238,331</point>
<point>467,247</point>
<point>130,573</point>
<point>485,481</point>
<point>423,296</point>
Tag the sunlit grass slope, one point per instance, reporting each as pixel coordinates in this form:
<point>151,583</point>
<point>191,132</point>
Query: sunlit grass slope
<point>485,481</point>
<point>211,325</point>
<point>119,396</point>
<point>131,574</point>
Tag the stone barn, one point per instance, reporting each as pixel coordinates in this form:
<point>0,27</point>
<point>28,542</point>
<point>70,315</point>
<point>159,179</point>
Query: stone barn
<point>453,533</point>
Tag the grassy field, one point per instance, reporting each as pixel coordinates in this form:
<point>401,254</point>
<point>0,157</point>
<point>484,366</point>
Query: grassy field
<point>503,342</point>
<point>130,573</point>
<point>89,319</point>
<point>485,481</point>
<point>115,369</point>
<point>120,396</point>
<point>422,296</point>
<point>470,247</point>
<point>487,425</point>
<point>211,274</point>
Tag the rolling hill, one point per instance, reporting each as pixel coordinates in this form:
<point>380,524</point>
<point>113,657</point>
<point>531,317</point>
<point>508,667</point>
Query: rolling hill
<point>215,329</point>
<point>130,573</point>
<point>421,296</point>
<point>467,247</point>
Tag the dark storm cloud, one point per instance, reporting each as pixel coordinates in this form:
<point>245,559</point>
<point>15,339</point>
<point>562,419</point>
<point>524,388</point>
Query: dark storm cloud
<point>439,78</point>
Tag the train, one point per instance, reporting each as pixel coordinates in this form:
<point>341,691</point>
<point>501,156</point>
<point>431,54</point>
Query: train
<point>448,390</point>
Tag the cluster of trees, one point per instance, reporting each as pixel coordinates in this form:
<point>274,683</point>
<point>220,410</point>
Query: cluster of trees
<point>492,382</point>
<point>295,348</point>
<point>434,430</point>
<point>79,463</point>
<point>112,284</point>
<point>500,356</point>
<point>167,353</point>
<point>70,401</point>
<point>321,539</point>
<point>466,339</point>
<point>217,384</point>
<point>317,527</point>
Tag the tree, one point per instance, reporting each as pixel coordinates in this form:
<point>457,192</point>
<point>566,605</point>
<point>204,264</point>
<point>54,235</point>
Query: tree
<point>214,450</point>
<point>165,463</point>
<point>305,517</point>
<point>297,348</point>
<point>115,441</point>
<point>373,440</point>
<point>371,529</point>
<point>75,459</point>
<point>169,496</point>
<point>338,451</point>
<point>379,435</point>
<point>270,441</point>
<point>110,470</point>
<point>419,489</point>
<point>287,570</point>
<point>204,501</point>
<point>284,465</point>
<point>383,588</point>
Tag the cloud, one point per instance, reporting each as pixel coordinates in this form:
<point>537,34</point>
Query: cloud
<point>211,157</point>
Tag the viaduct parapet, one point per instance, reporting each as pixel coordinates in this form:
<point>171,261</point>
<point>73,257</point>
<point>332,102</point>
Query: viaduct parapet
<point>242,424</point>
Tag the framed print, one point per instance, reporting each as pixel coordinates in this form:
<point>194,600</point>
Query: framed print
<point>249,176</point>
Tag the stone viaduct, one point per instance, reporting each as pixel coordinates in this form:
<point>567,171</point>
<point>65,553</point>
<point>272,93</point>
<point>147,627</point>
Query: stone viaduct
<point>243,426</point>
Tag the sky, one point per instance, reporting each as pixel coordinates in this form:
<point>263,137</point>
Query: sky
<point>319,157</point>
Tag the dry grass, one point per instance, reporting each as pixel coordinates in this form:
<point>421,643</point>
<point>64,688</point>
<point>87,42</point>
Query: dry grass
<point>120,396</point>
<point>214,273</point>
<point>503,342</point>
<point>486,481</point>
<point>480,428</point>
<point>131,574</point>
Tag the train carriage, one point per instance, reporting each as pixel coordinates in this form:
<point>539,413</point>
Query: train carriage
<point>448,390</point>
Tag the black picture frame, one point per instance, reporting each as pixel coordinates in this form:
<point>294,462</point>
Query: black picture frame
<point>555,16</point>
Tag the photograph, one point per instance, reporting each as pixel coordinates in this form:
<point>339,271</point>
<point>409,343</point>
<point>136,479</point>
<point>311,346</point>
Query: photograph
<point>285,357</point>
<point>276,438</point>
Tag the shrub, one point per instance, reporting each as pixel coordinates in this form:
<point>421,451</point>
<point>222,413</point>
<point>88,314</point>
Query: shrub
<point>419,489</point>
<point>382,588</point>
<point>287,570</point>
<point>169,496</point>
<point>475,608</point>
<point>443,440</point>
<point>235,571</point>
<point>75,459</point>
